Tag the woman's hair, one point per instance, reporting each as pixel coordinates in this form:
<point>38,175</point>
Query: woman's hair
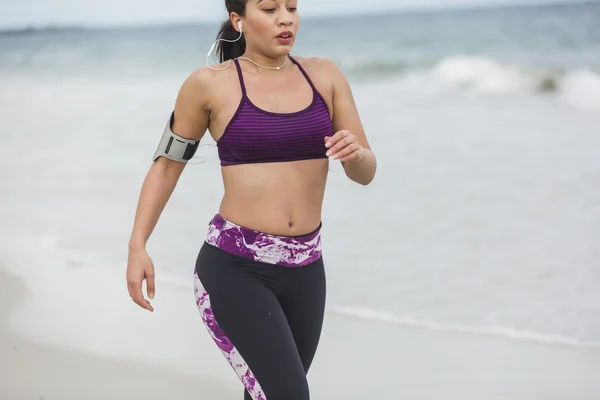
<point>230,50</point>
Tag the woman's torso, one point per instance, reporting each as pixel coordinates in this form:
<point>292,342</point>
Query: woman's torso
<point>283,198</point>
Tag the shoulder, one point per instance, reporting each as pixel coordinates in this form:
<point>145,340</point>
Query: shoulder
<point>201,84</point>
<point>327,74</point>
<point>322,67</point>
<point>206,78</point>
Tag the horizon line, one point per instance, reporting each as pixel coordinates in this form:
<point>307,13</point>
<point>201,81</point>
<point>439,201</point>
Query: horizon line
<point>31,27</point>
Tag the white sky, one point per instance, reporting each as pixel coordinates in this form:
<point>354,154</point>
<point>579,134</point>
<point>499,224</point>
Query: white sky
<point>17,13</point>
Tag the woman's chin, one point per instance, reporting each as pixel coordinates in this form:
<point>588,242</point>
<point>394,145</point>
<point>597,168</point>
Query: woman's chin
<point>280,50</point>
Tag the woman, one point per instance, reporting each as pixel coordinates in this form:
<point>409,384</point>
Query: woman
<point>259,278</point>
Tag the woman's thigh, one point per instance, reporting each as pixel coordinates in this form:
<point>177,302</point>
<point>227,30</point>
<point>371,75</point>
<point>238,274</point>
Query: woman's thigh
<point>237,303</point>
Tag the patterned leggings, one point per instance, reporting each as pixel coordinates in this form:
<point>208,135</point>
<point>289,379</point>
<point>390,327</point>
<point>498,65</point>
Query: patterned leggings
<point>265,317</point>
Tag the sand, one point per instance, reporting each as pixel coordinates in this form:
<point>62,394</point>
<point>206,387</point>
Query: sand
<point>37,371</point>
<point>356,360</point>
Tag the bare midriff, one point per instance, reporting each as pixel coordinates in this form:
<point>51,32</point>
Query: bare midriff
<point>277,198</point>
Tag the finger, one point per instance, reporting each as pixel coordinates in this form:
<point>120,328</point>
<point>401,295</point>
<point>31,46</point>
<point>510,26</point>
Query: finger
<point>335,138</point>
<point>131,288</point>
<point>341,144</point>
<point>142,302</point>
<point>352,156</point>
<point>150,284</point>
<point>329,140</point>
<point>346,151</point>
<point>138,296</point>
<point>327,144</point>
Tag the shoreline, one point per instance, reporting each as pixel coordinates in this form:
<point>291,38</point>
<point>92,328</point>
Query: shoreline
<point>357,359</point>
<point>475,332</point>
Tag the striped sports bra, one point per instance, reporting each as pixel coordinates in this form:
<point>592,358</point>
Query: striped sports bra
<point>257,136</point>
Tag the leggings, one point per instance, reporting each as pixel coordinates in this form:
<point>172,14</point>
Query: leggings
<point>265,316</point>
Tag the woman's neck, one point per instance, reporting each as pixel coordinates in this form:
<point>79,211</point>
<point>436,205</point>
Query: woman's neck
<point>265,62</point>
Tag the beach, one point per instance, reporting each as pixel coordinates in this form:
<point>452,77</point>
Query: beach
<point>355,361</point>
<point>468,269</point>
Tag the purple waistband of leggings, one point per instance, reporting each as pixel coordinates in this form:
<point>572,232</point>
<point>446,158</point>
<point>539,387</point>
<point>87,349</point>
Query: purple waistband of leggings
<point>288,251</point>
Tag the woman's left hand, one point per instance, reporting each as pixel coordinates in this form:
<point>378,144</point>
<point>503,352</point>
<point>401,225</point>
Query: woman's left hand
<point>344,146</point>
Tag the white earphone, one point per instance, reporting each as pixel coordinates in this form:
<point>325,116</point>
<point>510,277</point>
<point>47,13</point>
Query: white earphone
<point>225,40</point>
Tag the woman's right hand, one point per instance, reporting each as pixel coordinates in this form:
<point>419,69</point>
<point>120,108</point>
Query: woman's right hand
<point>140,267</point>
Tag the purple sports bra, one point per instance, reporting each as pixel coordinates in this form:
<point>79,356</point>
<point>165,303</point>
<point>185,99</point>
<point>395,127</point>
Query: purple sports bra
<point>257,136</point>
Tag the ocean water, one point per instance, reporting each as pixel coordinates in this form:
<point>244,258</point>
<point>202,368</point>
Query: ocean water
<point>484,216</point>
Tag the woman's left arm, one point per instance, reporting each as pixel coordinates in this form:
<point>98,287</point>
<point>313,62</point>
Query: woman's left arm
<point>349,143</point>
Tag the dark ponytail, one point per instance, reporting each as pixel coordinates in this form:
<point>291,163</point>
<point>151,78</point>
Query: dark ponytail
<point>230,50</point>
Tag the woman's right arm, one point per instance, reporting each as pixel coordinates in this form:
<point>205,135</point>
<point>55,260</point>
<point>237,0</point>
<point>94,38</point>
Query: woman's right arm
<point>191,121</point>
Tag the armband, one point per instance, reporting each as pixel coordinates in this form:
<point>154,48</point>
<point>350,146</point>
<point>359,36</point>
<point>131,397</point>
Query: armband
<point>175,147</point>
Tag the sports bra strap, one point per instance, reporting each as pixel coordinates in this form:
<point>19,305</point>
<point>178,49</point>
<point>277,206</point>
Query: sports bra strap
<point>239,70</point>
<point>241,76</point>
<point>303,73</point>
